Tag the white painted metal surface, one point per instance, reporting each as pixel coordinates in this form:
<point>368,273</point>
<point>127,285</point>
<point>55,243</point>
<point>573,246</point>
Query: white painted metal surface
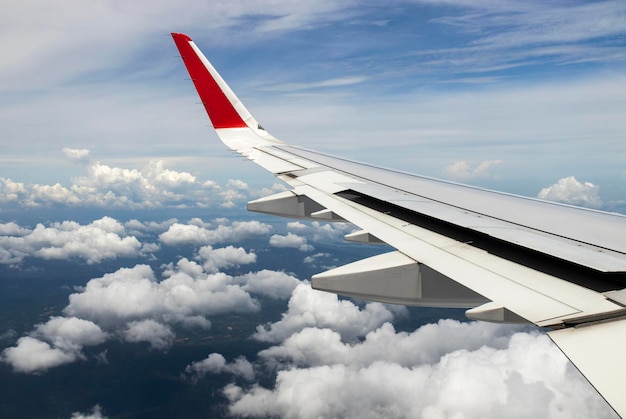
<point>598,351</point>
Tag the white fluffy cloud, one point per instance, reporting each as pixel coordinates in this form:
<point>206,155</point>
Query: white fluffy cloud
<point>317,232</point>
<point>133,305</point>
<point>216,364</point>
<point>192,234</point>
<point>568,190</point>
<point>96,413</point>
<point>153,186</point>
<point>56,342</point>
<point>290,240</point>
<point>516,376</point>
<point>215,259</point>
<point>186,296</point>
<point>102,239</point>
<point>158,335</point>
<point>461,170</point>
<point>311,308</point>
<point>332,359</point>
<point>33,355</point>
<point>76,155</point>
<point>271,284</point>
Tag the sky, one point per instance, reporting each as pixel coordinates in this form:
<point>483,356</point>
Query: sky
<point>110,165</point>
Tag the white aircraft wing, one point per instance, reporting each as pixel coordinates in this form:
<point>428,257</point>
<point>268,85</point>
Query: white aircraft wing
<point>506,258</point>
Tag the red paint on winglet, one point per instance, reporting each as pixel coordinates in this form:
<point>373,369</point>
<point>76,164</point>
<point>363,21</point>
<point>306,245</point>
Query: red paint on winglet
<point>218,107</point>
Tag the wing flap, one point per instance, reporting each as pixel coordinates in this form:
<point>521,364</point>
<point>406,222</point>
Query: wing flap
<point>533,295</point>
<point>598,351</point>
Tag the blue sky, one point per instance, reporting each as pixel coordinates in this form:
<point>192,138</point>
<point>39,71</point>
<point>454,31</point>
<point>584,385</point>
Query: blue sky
<point>105,145</point>
<point>506,95</point>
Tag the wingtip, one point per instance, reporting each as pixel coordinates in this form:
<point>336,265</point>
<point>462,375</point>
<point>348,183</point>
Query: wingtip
<point>180,36</point>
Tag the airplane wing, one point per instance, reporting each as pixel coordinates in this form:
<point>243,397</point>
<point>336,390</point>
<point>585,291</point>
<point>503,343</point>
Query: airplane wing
<point>506,258</point>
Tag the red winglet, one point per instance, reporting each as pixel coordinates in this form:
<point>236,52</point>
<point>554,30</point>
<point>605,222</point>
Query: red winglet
<point>217,105</point>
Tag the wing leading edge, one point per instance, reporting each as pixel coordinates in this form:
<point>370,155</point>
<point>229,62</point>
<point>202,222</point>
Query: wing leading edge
<point>504,257</point>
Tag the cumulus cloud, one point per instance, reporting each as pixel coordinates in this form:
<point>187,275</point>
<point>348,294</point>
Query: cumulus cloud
<point>140,228</point>
<point>56,342</point>
<point>13,229</point>
<point>153,186</point>
<point>102,239</point>
<point>215,259</point>
<point>134,306</point>
<point>461,170</point>
<point>192,234</point>
<point>158,335</point>
<point>96,413</point>
<point>310,308</point>
<point>33,355</point>
<point>528,377</point>
<point>448,369</point>
<point>185,296</point>
<point>333,359</point>
<point>76,155</point>
<point>568,190</point>
<point>216,364</point>
<point>272,284</point>
<point>290,240</point>
<point>317,232</point>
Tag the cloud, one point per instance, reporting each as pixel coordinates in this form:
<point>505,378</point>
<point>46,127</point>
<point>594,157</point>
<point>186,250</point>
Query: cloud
<point>158,335</point>
<point>96,413</point>
<point>13,229</point>
<point>216,364</point>
<point>319,232</point>
<point>32,355</point>
<point>70,333</point>
<point>191,234</point>
<point>570,191</point>
<point>272,284</point>
<point>310,308</point>
<point>186,296</point>
<point>215,259</point>
<point>101,239</point>
<point>133,305</point>
<point>104,186</point>
<point>76,155</point>
<point>312,259</point>
<point>485,371</point>
<point>461,170</point>
<point>56,342</point>
<point>290,240</point>
<point>331,358</point>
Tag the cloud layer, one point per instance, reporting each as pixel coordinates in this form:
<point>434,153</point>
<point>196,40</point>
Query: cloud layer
<point>104,186</point>
<point>448,369</point>
<point>102,239</point>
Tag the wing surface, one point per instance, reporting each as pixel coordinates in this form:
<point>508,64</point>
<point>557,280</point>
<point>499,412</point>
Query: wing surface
<point>506,258</point>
